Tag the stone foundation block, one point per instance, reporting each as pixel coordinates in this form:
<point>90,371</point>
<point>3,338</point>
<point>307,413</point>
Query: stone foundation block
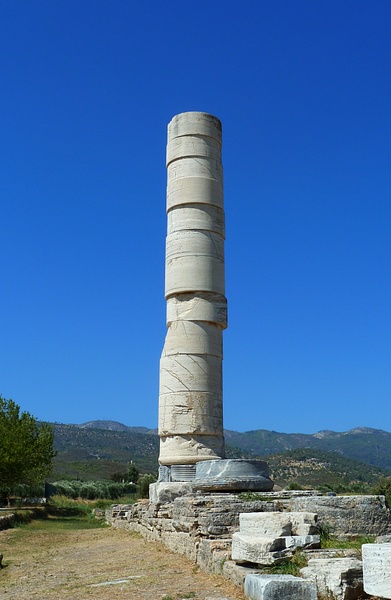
<point>278,524</point>
<point>274,524</point>
<point>340,577</point>
<point>261,551</point>
<point>181,543</point>
<point>213,554</point>
<point>345,515</point>
<point>377,569</point>
<point>304,523</point>
<point>279,587</point>
<point>237,573</point>
<point>161,493</point>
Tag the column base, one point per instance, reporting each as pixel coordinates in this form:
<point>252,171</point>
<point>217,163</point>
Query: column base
<point>233,475</point>
<point>221,475</point>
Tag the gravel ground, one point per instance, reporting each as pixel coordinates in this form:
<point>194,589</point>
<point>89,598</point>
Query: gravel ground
<point>102,564</point>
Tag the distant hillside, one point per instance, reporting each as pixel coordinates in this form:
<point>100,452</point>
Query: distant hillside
<point>97,449</point>
<point>321,470</point>
<point>115,426</point>
<point>87,453</point>
<point>371,446</point>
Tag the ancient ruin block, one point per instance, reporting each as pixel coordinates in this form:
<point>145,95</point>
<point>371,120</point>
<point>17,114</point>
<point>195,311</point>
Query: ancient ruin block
<point>377,569</point>
<point>278,524</point>
<point>271,587</point>
<point>261,551</point>
<point>340,577</point>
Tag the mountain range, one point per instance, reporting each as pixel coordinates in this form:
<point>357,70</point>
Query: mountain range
<point>98,449</point>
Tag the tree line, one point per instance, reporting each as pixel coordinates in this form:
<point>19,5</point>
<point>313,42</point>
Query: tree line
<point>26,459</point>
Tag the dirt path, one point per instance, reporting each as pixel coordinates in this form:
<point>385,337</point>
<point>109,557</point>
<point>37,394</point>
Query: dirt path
<point>101,564</point>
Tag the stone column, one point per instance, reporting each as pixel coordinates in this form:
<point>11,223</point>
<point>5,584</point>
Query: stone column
<point>190,395</point>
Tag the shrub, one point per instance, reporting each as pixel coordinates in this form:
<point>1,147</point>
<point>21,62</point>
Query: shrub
<point>383,488</point>
<point>294,485</point>
<point>143,484</point>
<point>93,490</point>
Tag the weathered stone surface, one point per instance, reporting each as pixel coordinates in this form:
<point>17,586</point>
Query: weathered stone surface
<point>304,523</point>
<point>341,577</point>
<point>377,569</point>
<point>260,551</point>
<point>276,524</point>
<point>194,261</point>
<point>212,554</point>
<point>191,524</point>
<point>302,541</point>
<point>193,513</point>
<point>183,449</point>
<point>192,216</point>
<point>233,475</point>
<point>161,493</point>
<point>182,473</point>
<point>190,396</point>
<point>383,539</point>
<point>257,530</point>
<point>188,337</point>
<point>238,573</point>
<point>203,307</point>
<point>332,553</point>
<point>279,524</point>
<point>279,587</point>
<point>345,515</point>
<point>203,376</point>
<point>164,474</point>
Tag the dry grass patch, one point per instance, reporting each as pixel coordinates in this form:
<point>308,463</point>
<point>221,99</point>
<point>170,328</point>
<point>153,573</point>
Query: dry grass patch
<point>58,560</point>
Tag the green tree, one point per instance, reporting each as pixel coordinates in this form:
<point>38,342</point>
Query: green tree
<point>133,473</point>
<point>144,483</point>
<point>118,477</point>
<point>26,448</point>
<point>383,488</point>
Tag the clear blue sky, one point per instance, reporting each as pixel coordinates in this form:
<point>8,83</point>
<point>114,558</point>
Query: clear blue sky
<point>303,91</point>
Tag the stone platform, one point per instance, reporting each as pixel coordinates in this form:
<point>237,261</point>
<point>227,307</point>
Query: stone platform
<point>201,525</point>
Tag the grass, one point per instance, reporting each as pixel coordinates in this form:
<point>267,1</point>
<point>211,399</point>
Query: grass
<point>329,541</point>
<point>63,514</point>
<point>60,514</point>
<point>252,496</point>
<point>291,567</point>
<point>104,504</point>
<point>353,543</point>
<point>61,501</point>
<point>66,513</point>
<point>65,523</point>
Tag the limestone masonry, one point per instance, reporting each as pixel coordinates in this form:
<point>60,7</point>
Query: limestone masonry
<point>190,395</point>
<point>206,528</point>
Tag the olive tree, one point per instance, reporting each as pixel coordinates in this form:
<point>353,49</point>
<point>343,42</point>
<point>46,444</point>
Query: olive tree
<point>26,447</point>
<point>143,484</point>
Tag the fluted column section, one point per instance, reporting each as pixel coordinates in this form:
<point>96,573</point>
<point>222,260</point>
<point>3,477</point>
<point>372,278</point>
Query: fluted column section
<point>190,395</point>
